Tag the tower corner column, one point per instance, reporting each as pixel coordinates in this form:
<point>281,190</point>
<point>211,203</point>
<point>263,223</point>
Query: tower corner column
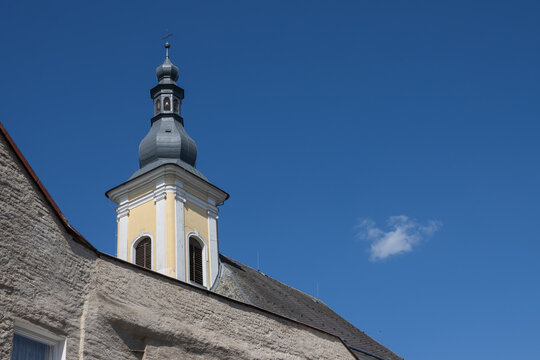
<point>122,218</point>
<point>159,198</point>
<point>213,243</point>
<point>180,199</point>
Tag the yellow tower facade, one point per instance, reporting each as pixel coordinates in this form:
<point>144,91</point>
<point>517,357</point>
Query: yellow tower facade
<point>167,211</point>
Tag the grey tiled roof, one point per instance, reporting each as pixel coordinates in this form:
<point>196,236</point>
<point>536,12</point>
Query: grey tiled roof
<point>248,285</point>
<point>159,162</point>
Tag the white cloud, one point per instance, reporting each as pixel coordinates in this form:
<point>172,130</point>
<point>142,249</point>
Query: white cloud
<point>403,234</point>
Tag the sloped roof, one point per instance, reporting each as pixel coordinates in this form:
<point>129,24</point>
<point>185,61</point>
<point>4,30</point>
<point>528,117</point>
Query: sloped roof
<point>248,285</point>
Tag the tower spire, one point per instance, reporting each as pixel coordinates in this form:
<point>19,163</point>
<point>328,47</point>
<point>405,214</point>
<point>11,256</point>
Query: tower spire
<point>167,140</point>
<point>161,224</point>
<point>167,72</point>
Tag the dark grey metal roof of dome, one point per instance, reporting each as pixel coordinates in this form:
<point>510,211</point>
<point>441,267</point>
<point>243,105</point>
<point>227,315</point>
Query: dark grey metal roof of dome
<point>167,139</point>
<point>167,142</point>
<point>167,73</point>
<point>160,162</point>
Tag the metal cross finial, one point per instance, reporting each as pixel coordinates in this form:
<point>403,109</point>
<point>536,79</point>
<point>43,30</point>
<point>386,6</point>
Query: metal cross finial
<point>167,45</point>
<point>166,37</point>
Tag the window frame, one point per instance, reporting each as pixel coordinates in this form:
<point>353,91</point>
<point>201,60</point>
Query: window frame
<point>204,259</point>
<point>36,333</point>
<point>134,244</point>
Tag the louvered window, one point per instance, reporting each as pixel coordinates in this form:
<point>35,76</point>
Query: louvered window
<point>143,253</point>
<point>195,262</point>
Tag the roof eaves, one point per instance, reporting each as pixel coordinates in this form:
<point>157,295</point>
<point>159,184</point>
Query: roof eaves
<point>367,353</point>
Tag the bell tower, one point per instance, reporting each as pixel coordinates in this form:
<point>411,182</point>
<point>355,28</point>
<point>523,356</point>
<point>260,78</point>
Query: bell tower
<point>168,210</point>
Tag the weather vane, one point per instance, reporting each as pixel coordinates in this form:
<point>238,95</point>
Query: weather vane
<point>167,45</point>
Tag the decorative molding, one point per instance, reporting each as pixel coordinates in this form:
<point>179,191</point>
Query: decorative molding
<point>160,193</point>
<point>160,196</point>
<point>217,195</point>
<point>200,203</point>
<point>180,193</point>
<point>123,209</point>
<point>161,190</point>
<point>140,200</point>
<point>213,213</point>
<point>121,212</point>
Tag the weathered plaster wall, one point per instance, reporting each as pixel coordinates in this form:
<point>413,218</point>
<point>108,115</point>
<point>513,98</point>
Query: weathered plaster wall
<point>173,319</point>
<point>44,276</point>
<point>108,309</point>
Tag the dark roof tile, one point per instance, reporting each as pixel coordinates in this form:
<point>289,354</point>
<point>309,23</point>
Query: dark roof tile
<point>265,292</point>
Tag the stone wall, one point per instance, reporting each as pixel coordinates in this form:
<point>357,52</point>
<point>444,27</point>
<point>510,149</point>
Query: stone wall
<point>44,275</point>
<point>109,309</point>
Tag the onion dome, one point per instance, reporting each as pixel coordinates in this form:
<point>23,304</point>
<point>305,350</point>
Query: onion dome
<point>167,73</point>
<point>167,141</point>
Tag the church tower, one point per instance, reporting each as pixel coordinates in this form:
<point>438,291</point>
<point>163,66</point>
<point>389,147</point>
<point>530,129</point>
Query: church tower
<point>167,210</point>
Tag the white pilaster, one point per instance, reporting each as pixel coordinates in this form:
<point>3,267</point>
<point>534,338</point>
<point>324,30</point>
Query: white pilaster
<point>213,243</point>
<point>159,197</point>
<point>180,199</point>
<point>122,216</point>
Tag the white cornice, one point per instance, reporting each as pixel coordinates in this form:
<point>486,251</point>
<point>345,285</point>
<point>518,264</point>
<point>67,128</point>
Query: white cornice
<point>214,194</point>
<point>200,203</point>
<point>160,193</point>
<point>212,213</point>
<point>181,195</point>
<point>121,211</point>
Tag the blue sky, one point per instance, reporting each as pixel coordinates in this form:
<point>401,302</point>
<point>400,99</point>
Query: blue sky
<point>387,151</point>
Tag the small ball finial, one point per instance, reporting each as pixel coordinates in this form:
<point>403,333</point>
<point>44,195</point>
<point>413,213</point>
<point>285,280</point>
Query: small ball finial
<point>167,73</point>
<point>167,45</point>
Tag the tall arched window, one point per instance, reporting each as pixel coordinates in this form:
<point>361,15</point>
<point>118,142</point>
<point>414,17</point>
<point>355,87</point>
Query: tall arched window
<point>158,106</point>
<point>176,106</point>
<point>167,104</point>
<point>143,253</point>
<point>195,261</point>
